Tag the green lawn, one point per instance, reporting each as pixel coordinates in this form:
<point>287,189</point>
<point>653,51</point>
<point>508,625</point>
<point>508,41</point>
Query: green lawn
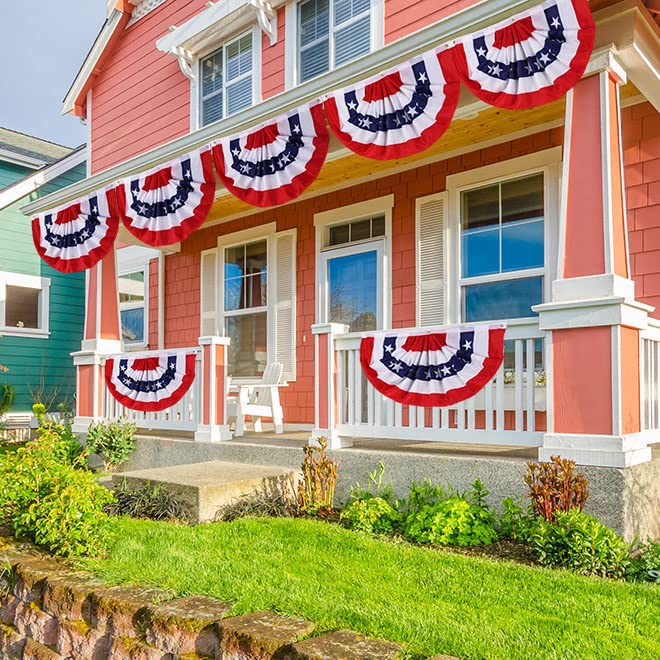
<point>429,601</point>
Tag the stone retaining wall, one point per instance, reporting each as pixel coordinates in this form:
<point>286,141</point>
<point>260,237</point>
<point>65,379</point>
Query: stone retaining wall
<point>49,611</point>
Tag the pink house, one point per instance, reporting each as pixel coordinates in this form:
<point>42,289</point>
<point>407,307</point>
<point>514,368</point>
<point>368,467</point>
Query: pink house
<point>546,218</point>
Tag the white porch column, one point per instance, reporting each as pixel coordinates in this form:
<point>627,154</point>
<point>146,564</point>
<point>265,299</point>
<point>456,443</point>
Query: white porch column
<point>325,385</point>
<point>213,426</point>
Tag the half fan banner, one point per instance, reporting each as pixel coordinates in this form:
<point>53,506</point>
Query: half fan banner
<point>167,204</point>
<point>150,384</point>
<point>433,368</point>
<point>532,58</point>
<point>400,112</point>
<point>78,235</point>
<point>276,162</point>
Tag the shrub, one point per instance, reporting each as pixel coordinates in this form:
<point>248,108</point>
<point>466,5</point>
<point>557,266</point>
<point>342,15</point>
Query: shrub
<point>146,501</point>
<point>62,427</point>
<point>315,491</point>
<point>7,393</point>
<point>375,487</point>
<point>374,515</point>
<point>580,543</point>
<point>452,521</point>
<point>426,494</point>
<point>53,502</point>
<point>645,563</point>
<point>515,523</point>
<point>112,440</point>
<point>555,487</point>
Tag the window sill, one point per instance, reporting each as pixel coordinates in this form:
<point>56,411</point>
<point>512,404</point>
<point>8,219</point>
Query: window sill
<point>24,332</point>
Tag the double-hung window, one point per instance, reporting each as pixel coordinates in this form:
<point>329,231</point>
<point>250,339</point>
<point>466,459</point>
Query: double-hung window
<point>331,33</point>
<point>132,308</point>
<point>246,307</point>
<point>23,304</point>
<point>502,229</point>
<point>227,80</point>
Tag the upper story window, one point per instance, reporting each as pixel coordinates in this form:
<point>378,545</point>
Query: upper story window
<point>502,248</point>
<point>227,80</point>
<point>132,308</point>
<point>331,33</point>
<point>23,304</point>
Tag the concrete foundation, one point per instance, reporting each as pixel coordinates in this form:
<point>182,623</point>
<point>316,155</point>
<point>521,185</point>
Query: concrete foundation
<point>626,499</point>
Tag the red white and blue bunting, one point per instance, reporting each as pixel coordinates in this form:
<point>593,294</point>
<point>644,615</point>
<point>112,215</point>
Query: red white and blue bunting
<point>274,163</point>
<point>78,235</point>
<point>169,203</point>
<point>531,59</point>
<point>150,384</point>
<point>433,368</point>
<point>398,113</point>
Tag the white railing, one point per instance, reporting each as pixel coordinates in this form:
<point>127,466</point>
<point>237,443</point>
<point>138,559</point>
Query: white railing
<point>183,416</point>
<point>512,409</point>
<point>649,376</point>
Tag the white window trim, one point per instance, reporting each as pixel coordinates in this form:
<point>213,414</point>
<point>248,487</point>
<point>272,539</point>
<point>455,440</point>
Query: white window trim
<point>28,282</point>
<point>352,212</point>
<point>291,55</point>
<point>144,268</point>
<point>547,162</point>
<point>196,81</point>
<point>267,233</point>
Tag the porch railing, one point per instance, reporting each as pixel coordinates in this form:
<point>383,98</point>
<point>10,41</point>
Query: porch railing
<point>512,409</point>
<point>649,376</point>
<point>183,416</point>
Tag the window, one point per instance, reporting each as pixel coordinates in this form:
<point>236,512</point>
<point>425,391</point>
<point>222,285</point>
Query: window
<point>502,249</point>
<point>352,256</point>
<point>246,307</point>
<point>331,33</point>
<point>23,304</point>
<point>227,80</point>
<point>132,308</point>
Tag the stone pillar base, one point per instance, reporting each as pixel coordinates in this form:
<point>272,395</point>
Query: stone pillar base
<point>215,433</point>
<point>335,441</point>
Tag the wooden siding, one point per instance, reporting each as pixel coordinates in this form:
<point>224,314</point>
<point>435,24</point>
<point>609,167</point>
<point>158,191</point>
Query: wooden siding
<point>35,362</point>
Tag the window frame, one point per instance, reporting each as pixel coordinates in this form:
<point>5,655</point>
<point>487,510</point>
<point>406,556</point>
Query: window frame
<point>548,163</point>
<point>196,116</point>
<point>136,346</point>
<point>268,233</point>
<point>352,213</point>
<point>291,50</point>
<point>42,284</point>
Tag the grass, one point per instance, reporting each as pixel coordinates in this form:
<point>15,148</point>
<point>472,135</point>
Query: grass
<point>429,601</point>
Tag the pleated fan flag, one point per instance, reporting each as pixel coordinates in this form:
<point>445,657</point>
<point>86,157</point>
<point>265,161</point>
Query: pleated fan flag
<point>400,112</point>
<point>274,163</point>
<point>167,204</point>
<point>426,368</point>
<point>531,59</point>
<point>79,235</point>
<point>150,384</point>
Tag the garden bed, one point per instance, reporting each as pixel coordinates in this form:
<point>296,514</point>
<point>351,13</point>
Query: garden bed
<point>429,601</point>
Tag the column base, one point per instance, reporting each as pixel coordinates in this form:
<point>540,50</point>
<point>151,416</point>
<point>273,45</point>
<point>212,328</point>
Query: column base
<point>213,433</point>
<point>335,441</point>
<point>598,450</point>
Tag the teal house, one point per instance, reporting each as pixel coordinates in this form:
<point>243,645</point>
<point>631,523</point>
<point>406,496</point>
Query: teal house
<point>41,309</point>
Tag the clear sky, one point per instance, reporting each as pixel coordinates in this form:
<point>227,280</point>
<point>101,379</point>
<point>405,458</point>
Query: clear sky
<point>42,45</point>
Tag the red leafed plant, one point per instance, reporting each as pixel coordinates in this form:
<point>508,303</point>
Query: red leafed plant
<point>555,486</point>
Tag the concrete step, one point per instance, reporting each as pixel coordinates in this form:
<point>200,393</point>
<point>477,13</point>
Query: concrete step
<point>203,488</point>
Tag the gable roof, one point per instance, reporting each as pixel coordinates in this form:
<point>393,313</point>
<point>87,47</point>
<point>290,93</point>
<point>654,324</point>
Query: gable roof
<point>119,13</point>
<point>29,151</point>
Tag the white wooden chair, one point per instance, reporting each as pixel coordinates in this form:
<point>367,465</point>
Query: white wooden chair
<point>259,400</point>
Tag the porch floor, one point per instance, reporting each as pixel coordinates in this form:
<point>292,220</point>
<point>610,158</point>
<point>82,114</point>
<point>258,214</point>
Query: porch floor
<point>298,439</point>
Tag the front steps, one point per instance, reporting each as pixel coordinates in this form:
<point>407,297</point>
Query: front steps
<point>205,487</point>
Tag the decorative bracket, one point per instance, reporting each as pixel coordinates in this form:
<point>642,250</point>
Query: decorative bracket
<point>267,17</point>
<point>186,61</point>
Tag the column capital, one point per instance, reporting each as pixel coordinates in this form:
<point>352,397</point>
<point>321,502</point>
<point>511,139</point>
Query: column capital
<point>606,60</point>
<point>329,329</point>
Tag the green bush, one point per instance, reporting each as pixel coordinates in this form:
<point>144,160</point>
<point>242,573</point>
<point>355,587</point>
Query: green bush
<point>374,488</point>
<point>645,558</point>
<point>514,522</point>
<point>580,543</point>
<point>52,501</point>
<point>7,393</point>
<point>452,521</point>
<point>62,427</point>
<point>425,495</point>
<point>112,440</point>
<point>374,515</point>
